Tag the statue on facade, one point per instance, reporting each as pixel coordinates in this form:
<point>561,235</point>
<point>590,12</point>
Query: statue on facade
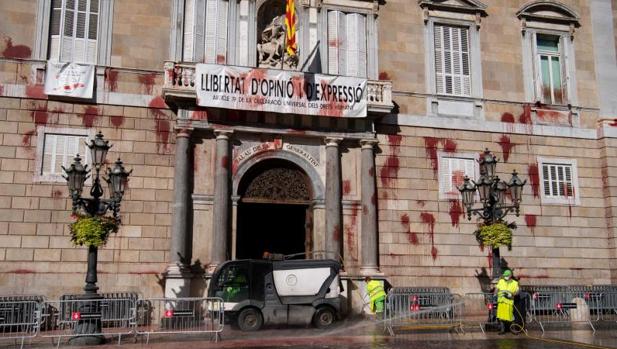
<point>271,46</point>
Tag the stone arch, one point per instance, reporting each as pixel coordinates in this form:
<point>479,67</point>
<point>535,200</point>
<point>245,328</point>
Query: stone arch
<point>548,11</point>
<point>316,183</point>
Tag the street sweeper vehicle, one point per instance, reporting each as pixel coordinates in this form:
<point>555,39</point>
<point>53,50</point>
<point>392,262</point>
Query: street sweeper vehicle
<point>296,291</point>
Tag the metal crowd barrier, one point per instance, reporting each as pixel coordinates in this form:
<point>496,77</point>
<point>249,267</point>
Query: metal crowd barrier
<point>567,307</point>
<point>180,315</point>
<point>481,309</point>
<point>603,306</point>
<point>19,317</point>
<point>88,317</point>
<point>409,311</point>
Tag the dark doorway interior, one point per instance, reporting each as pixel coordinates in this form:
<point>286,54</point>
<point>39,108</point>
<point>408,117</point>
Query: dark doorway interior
<point>276,228</point>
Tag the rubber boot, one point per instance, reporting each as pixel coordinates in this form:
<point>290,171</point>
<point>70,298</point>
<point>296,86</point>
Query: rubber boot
<point>502,327</point>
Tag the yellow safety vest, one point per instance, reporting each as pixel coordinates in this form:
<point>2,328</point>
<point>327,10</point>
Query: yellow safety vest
<point>375,291</point>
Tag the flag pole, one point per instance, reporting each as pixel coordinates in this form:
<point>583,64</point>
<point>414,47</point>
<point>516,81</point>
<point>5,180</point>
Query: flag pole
<point>284,41</point>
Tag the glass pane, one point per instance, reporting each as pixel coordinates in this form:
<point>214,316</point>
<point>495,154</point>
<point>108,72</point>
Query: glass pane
<point>465,63</point>
<point>68,23</point>
<point>81,25</point>
<point>70,4</point>
<point>92,27</point>
<point>81,5</point>
<point>464,40</point>
<point>446,38</point>
<point>449,84</point>
<point>94,6</point>
<point>56,4</point>
<point>553,181</point>
<point>548,43</point>
<point>556,72</point>
<point>55,22</point>
<point>546,78</point>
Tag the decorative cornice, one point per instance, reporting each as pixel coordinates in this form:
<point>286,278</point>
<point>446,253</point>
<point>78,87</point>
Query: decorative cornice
<point>465,6</point>
<point>559,13</point>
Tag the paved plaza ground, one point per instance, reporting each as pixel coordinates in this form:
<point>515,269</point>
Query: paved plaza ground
<point>370,335</point>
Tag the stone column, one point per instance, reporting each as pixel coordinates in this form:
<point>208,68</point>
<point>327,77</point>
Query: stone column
<point>178,277</point>
<point>221,211</point>
<point>369,263</point>
<point>333,198</point>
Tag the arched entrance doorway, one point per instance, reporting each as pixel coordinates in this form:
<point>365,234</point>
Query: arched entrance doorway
<point>274,210</point>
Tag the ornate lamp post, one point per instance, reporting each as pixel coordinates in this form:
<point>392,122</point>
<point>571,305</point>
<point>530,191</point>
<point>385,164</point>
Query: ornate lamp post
<point>492,193</point>
<point>76,175</point>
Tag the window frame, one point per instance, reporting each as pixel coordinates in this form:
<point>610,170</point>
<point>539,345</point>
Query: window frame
<point>574,200</point>
<point>41,132</point>
<point>566,66</point>
<point>104,32</point>
<point>440,171</point>
<point>443,60</point>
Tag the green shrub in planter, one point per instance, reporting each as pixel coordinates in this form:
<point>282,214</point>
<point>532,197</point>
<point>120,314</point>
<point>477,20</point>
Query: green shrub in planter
<point>92,231</point>
<point>495,235</point>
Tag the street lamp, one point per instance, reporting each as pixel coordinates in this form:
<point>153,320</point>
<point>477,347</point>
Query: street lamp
<point>76,175</point>
<point>492,192</point>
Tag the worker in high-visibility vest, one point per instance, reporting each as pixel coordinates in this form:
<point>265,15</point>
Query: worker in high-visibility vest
<point>506,289</point>
<point>377,295</point>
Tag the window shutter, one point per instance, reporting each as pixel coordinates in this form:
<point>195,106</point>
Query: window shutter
<point>537,72</point>
<point>465,68</point>
<point>189,17</point>
<point>446,174</point>
<point>336,36</point>
<point>565,63</point>
<point>212,19</point>
<point>221,33</point>
<point>439,59</point>
<point>356,45</point>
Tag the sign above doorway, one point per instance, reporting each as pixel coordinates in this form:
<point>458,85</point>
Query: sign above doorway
<point>280,91</point>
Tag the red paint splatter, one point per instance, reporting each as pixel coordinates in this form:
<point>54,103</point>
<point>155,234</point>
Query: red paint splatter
<point>506,146</point>
<point>147,80</point>
<point>225,161</point>
<point>428,219</point>
<point>489,257</point>
<point>89,116</point>
<point>157,102</point>
<point>549,115</point>
<point>507,117</point>
<point>374,199</point>
<point>458,178</point>
<point>434,252</point>
<point>405,220</point>
<point>534,179</point>
<point>412,238</point>
<point>614,123</point>
<point>111,79</point>
<point>199,114</point>
<point>36,91</point>
<point>21,271</point>
<point>384,76</point>
<point>25,140</point>
<point>336,234</point>
<point>17,52</point>
<point>40,116</point>
<point>117,120</point>
<point>56,194</point>
<point>346,187</point>
<point>449,146</point>
<point>525,118</point>
<point>421,203</point>
<point>456,211</point>
<point>530,221</point>
<point>390,168</point>
<point>162,126</point>
<point>430,146</point>
<point>350,230</point>
<point>335,43</point>
<point>220,59</point>
<point>333,107</point>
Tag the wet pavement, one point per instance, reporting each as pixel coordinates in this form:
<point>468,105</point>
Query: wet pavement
<point>366,335</point>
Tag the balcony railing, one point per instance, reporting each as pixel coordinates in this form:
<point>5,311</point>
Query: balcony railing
<point>180,83</point>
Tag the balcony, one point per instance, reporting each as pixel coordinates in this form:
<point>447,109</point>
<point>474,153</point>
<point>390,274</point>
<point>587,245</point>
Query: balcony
<point>180,84</point>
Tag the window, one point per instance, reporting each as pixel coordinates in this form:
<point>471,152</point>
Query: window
<point>559,181</point>
<point>56,147</point>
<point>205,32</point>
<point>452,72</point>
<point>74,30</point>
<point>347,45</point>
<point>453,168</point>
<point>550,68</point>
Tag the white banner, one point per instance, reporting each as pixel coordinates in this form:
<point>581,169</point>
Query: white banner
<point>69,79</point>
<point>280,91</point>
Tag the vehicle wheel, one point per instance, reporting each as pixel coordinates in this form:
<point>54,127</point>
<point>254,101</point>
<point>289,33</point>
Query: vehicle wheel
<point>250,319</point>
<point>324,317</point>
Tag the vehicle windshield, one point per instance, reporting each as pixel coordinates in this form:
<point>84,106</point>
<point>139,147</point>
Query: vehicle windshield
<point>233,284</point>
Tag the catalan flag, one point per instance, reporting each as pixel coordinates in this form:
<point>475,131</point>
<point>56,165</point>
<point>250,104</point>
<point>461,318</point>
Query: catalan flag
<point>290,28</point>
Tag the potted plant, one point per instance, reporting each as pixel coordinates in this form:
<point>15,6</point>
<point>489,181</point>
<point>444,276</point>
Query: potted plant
<point>92,231</point>
<point>495,235</point>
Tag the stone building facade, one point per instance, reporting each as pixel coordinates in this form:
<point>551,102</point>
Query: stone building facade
<point>530,80</point>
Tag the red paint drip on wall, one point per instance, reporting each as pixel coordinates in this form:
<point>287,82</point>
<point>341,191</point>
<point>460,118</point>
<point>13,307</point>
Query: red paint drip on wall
<point>449,146</point>
<point>117,120</point>
<point>534,179</point>
<point>430,146</point>
<point>224,161</point>
<point>17,51</point>
<point>111,79</point>
<point>489,257</point>
<point>89,117</point>
<point>147,80</point>
<point>27,137</point>
<point>40,116</point>
<point>428,219</point>
<point>507,117</point>
<point>36,91</point>
<point>506,147</point>
<point>346,186</point>
<point>384,76</point>
<point>530,221</point>
<point>391,166</point>
<point>525,118</point>
<point>456,211</point>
